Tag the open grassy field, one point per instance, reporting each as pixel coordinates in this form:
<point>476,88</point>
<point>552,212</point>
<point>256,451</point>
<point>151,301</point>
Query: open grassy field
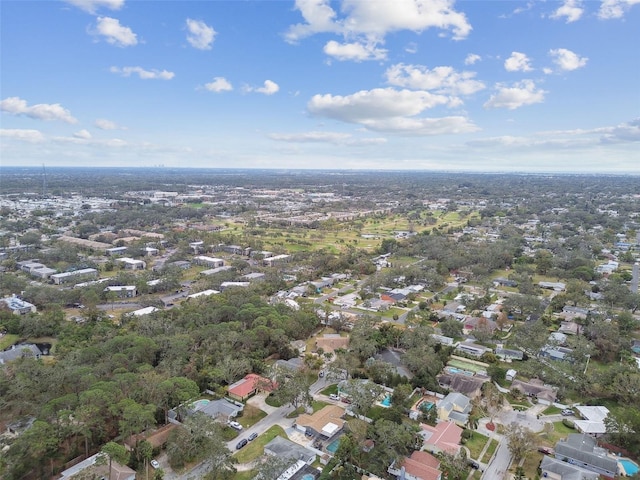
<point>334,237</point>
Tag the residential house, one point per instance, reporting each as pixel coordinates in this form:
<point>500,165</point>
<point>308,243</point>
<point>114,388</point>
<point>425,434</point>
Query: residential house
<point>292,365</point>
<point>511,375</point>
<point>470,386</point>
<point>419,466</point>
<point>248,386</point>
<point>508,355</point>
<point>472,349</point>
<point>593,420</point>
<point>92,468</point>
<point>442,339</point>
<point>299,345</point>
<point>284,448</point>
<point>324,423</point>
<point>555,286</point>
<point>483,324</point>
<point>582,450</point>
<point>561,354</point>
<point>18,306</point>
<point>444,437</point>
<point>554,469</point>
<point>20,350</point>
<point>454,407</point>
<point>535,388</point>
<point>220,410</point>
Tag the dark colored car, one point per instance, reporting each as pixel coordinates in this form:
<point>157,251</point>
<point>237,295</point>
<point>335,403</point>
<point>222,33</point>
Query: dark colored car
<point>253,436</point>
<point>241,443</point>
<point>473,464</point>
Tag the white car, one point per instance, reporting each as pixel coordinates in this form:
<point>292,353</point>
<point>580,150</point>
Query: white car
<point>155,464</point>
<point>333,396</point>
<point>235,425</point>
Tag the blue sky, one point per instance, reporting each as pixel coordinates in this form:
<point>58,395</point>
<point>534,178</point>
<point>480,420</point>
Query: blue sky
<point>536,86</point>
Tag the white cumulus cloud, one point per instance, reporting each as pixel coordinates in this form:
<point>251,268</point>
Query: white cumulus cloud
<point>25,135</point>
<point>571,10</point>
<point>200,34</point>
<point>269,88</point>
<point>104,124</point>
<point>615,8</point>
<point>516,96</point>
<point>375,19</point>
<point>91,6</point>
<point>354,51</point>
<point>152,74</point>
<point>472,58</point>
<point>517,62</point>
<point>114,33</point>
<point>41,111</point>
<point>83,134</point>
<point>219,84</point>
<point>443,79</point>
<point>389,110</point>
<point>567,60</point>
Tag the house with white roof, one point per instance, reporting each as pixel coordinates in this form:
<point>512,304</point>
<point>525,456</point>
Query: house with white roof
<point>593,418</point>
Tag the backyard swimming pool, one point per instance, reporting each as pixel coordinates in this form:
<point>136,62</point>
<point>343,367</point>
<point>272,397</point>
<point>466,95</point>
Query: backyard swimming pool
<point>199,404</point>
<point>333,446</point>
<point>630,467</point>
<point>386,402</point>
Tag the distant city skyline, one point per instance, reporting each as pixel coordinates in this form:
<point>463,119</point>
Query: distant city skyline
<point>487,86</point>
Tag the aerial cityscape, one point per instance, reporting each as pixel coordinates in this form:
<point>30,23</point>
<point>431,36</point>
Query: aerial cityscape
<point>319,240</point>
<point>318,324</point>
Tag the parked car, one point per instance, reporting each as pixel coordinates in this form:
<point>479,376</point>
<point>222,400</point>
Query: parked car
<point>241,443</point>
<point>546,450</point>
<point>253,436</point>
<point>155,464</point>
<point>473,464</point>
<point>334,396</point>
<point>235,425</point>
<point>567,412</point>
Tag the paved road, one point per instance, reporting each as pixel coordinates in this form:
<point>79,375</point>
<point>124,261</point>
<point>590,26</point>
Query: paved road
<point>498,467</point>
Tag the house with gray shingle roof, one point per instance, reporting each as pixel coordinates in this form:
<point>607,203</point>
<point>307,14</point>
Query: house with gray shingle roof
<point>582,450</point>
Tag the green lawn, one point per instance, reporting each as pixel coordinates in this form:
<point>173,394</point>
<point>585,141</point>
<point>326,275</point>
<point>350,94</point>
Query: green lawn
<point>246,475</point>
<point>330,389</point>
<point>490,451</point>
<point>255,449</point>
<point>7,340</point>
<point>250,416</point>
<point>317,405</point>
<point>476,443</point>
<point>551,410</point>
